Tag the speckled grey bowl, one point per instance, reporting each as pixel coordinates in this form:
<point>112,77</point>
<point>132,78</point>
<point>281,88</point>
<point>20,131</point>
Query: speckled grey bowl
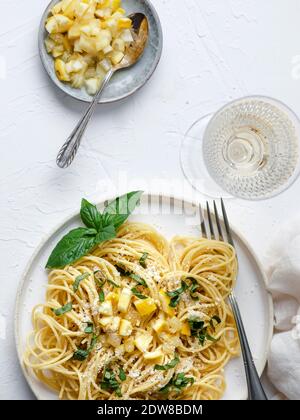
<point>124,82</point>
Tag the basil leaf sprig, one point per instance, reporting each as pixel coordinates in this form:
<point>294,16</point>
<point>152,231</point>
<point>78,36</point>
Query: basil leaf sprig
<point>198,329</point>
<point>63,309</point>
<point>99,228</point>
<point>169,365</point>
<point>177,383</point>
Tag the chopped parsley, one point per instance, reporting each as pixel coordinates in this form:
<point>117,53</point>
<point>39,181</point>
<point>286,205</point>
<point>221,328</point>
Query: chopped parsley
<point>63,309</point>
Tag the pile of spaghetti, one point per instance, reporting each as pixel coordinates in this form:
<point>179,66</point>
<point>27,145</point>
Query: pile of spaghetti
<point>139,318</point>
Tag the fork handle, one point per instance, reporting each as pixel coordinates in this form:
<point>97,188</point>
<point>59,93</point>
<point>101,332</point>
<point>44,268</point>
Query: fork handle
<point>69,149</point>
<point>255,389</point>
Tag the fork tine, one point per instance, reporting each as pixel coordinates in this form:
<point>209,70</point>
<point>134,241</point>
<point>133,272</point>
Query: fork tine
<point>226,222</point>
<point>202,223</point>
<point>218,222</point>
<point>210,222</point>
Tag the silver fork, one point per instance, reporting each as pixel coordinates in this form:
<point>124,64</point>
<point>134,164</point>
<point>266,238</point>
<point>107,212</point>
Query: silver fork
<point>255,389</point>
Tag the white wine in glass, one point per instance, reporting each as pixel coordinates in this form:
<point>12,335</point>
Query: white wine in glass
<point>250,149</point>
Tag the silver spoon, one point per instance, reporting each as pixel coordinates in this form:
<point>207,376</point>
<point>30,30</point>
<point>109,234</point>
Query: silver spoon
<point>133,53</point>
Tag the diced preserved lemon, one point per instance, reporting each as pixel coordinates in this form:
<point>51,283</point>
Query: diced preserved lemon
<point>107,49</point>
<point>49,44</point>
<point>105,321</point>
<point>185,329</point>
<point>105,64</point>
<point>58,24</point>
<point>92,85</point>
<point>152,355</point>
<point>119,45</point>
<point>126,36</point>
<point>113,326</point>
<point>124,23</point>
<point>112,296</point>
<point>70,9</point>
<point>165,302</point>
<point>115,4</point>
<point>129,345</point>
<point>142,342</point>
<point>60,68</point>
<point>105,308</point>
<point>57,8</point>
<point>145,306</point>
<point>124,300</point>
<point>116,57</point>
<point>74,31</point>
<point>113,339</point>
<point>74,66</point>
<point>125,328</point>
<point>159,325</point>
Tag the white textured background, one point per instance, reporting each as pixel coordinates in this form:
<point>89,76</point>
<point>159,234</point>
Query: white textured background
<point>214,51</point>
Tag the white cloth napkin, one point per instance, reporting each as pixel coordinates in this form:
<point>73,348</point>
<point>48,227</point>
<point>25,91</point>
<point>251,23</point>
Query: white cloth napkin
<point>283,269</point>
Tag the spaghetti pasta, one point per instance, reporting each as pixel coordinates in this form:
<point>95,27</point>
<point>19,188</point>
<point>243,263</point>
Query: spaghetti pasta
<point>138,318</point>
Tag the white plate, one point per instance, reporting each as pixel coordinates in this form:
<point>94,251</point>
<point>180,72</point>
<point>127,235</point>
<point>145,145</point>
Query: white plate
<point>170,217</point>
<point>125,82</point>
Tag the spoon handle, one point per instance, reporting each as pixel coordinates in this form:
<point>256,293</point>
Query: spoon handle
<point>69,149</point>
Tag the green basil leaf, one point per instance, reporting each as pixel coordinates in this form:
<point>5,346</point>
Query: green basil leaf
<point>169,365</point>
<point>78,279</point>
<point>90,215</point>
<point>93,342</point>
<point>90,328</point>
<point>139,295</point>
<point>177,383</point>
<point>109,382</point>
<point>122,375</point>
<point>138,279</point>
<point>175,295</point>
<point>143,258</point>
<point>101,296</point>
<point>120,209</point>
<point>77,243</point>
<point>113,283</point>
<point>80,355</point>
<point>64,309</point>
<point>105,233</point>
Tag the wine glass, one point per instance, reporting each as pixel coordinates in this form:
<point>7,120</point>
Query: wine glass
<point>248,149</point>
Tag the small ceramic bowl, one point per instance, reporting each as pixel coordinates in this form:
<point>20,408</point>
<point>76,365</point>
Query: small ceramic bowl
<point>125,82</point>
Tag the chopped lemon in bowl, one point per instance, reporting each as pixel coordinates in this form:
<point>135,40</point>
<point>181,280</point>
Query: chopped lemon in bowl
<point>83,34</point>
